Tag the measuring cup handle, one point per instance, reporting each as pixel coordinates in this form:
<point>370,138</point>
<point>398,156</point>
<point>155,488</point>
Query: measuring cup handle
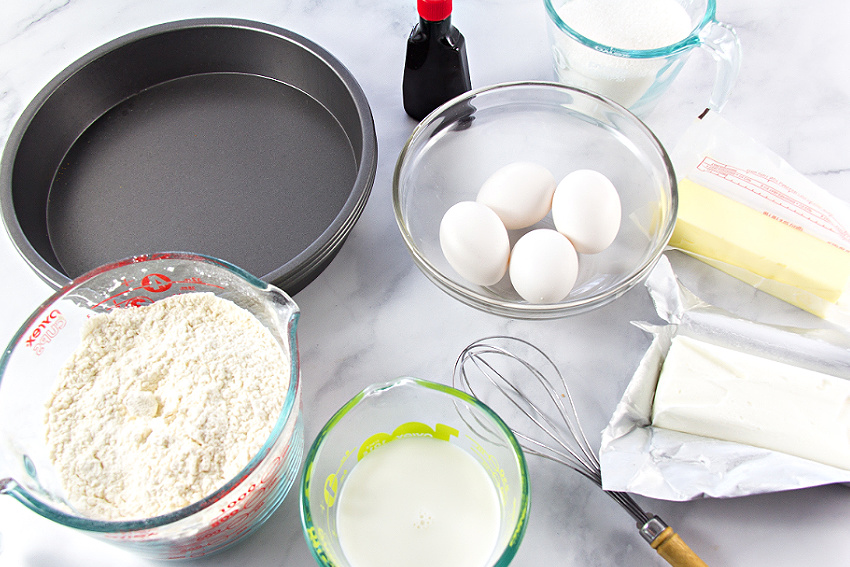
<point>721,41</point>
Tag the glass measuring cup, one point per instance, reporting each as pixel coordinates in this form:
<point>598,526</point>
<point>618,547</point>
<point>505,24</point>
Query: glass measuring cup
<point>636,78</point>
<point>28,372</point>
<point>403,408</point>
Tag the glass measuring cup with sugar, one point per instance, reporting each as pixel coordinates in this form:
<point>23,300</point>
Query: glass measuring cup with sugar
<point>30,366</point>
<point>631,50</point>
<point>435,471</point>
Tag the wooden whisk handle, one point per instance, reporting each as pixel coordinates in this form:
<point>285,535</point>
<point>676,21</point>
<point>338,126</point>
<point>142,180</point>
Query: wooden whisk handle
<point>675,551</point>
<point>669,545</point>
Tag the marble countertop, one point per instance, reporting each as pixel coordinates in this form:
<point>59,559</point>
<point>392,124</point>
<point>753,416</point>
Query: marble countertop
<point>372,316</point>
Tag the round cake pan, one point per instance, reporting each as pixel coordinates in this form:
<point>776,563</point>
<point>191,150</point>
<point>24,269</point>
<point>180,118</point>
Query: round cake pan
<point>229,138</point>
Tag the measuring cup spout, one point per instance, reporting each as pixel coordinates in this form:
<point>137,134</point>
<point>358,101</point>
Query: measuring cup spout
<point>7,485</point>
<point>721,41</point>
<point>288,314</point>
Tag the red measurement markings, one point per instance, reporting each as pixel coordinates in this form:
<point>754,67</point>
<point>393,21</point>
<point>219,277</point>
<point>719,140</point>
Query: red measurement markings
<point>191,284</point>
<point>136,301</point>
<point>154,283</point>
<point>254,498</point>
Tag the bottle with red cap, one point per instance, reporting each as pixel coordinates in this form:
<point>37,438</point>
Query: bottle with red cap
<point>435,69</point>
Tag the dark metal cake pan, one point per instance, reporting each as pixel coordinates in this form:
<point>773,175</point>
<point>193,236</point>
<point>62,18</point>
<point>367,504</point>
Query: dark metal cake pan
<point>230,138</point>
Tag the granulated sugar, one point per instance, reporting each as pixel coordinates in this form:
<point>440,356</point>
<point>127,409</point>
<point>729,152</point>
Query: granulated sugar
<point>628,24</point>
<point>163,404</point>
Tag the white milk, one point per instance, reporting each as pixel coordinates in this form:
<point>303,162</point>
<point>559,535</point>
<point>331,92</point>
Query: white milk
<point>418,502</point>
<point>624,24</point>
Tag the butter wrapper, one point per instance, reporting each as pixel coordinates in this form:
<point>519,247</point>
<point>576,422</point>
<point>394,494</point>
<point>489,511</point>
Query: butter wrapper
<point>746,211</point>
<point>658,463</point>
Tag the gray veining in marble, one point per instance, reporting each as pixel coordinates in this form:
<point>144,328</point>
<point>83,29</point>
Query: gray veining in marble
<point>371,316</point>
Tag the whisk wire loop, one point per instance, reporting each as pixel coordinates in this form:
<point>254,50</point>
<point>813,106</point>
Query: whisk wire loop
<point>554,417</point>
<point>547,425</point>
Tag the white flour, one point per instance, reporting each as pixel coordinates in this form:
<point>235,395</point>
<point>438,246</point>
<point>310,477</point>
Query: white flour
<point>161,405</point>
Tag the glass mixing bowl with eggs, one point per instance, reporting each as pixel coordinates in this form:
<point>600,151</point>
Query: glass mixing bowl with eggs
<point>534,200</point>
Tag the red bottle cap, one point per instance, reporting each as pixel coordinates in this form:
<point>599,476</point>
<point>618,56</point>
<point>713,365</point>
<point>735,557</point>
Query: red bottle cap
<point>434,10</point>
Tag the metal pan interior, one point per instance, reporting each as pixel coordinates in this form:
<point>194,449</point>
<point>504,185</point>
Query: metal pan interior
<point>230,138</point>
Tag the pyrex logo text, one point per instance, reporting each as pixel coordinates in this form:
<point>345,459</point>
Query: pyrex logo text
<point>47,328</point>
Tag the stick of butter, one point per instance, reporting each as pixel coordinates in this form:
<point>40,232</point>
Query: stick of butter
<point>717,392</point>
<point>759,250</point>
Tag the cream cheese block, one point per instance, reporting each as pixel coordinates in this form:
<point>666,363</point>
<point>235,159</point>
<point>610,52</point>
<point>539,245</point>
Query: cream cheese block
<point>712,391</point>
<point>759,250</point>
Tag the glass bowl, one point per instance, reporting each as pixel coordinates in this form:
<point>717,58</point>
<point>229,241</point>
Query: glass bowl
<point>29,369</point>
<point>458,146</point>
<point>410,407</point>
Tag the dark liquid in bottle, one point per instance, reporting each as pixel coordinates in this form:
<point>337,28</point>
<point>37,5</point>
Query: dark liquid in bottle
<point>435,69</point>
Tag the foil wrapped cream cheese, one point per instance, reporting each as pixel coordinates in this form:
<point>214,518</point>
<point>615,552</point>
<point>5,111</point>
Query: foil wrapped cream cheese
<point>713,391</point>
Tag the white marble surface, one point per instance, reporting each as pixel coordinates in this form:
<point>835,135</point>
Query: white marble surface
<point>371,316</point>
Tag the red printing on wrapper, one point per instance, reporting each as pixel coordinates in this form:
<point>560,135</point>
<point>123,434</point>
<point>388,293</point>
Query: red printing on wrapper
<point>776,192</point>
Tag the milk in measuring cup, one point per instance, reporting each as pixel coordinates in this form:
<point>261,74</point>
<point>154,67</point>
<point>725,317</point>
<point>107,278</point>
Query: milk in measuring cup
<point>418,501</point>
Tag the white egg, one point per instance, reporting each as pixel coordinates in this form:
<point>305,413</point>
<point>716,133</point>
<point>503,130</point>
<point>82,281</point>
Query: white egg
<point>475,242</point>
<point>543,266</point>
<point>586,209</point>
<point>520,193</point>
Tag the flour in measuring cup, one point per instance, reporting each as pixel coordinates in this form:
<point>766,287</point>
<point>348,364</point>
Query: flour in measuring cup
<point>161,405</point>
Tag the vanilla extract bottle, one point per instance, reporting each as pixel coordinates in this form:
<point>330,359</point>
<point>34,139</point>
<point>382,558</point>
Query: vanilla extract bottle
<point>436,68</point>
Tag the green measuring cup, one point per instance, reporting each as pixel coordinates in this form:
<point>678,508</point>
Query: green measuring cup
<point>384,413</point>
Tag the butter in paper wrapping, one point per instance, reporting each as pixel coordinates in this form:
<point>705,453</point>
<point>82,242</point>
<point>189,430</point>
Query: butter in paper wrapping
<point>747,212</point>
<point>638,458</point>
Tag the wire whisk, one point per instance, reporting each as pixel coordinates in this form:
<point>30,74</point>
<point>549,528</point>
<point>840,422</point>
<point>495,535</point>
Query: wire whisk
<point>512,374</point>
